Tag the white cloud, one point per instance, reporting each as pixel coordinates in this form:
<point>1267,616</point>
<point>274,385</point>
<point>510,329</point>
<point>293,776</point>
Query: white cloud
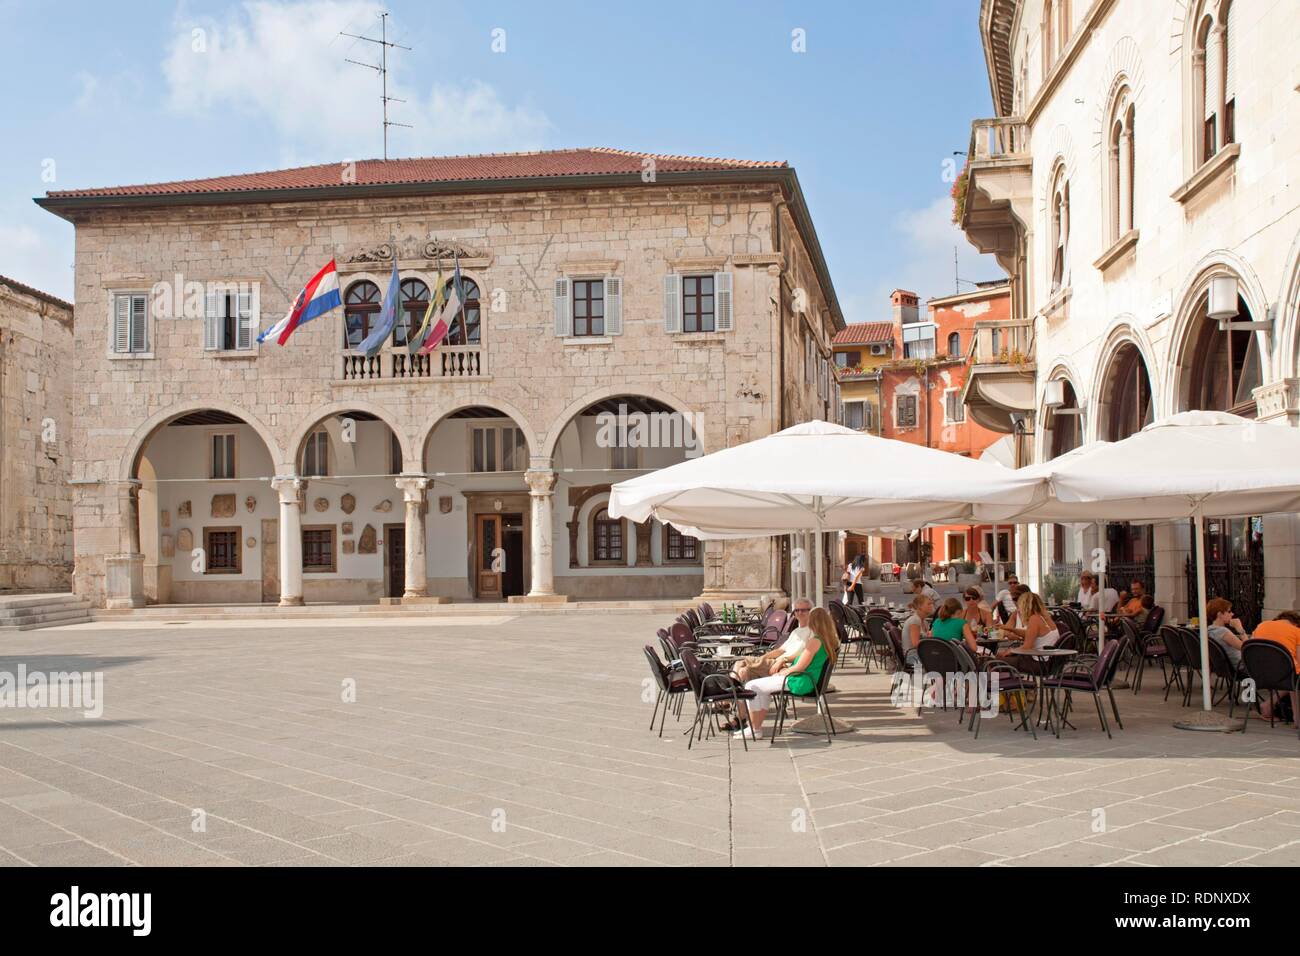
<point>286,63</point>
<point>35,260</point>
<point>928,236</point>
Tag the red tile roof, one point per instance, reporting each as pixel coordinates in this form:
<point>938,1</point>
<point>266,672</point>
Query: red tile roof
<point>34,292</point>
<point>593,161</point>
<point>865,333</point>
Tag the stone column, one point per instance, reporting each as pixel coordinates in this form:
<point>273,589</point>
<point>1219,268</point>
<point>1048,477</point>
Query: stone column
<point>1279,402</point>
<point>1173,544</point>
<point>291,490</point>
<point>124,571</point>
<point>1214,84</point>
<point>413,489</point>
<point>541,491</point>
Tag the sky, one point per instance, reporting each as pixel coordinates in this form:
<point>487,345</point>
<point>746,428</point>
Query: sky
<point>868,100</point>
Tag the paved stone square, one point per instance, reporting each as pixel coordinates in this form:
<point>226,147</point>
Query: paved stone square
<point>523,740</point>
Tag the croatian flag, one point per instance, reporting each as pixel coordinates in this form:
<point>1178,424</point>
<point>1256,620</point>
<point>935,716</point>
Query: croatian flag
<point>319,296</point>
<point>454,302</point>
<point>387,318</point>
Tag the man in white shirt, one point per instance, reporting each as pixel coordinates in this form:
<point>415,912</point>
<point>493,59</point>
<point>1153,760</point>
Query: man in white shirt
<point>1089,598</point>
<point>1005,597</point>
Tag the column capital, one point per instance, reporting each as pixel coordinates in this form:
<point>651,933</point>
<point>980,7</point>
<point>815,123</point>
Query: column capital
<point>413,487</point>
<point>290,487</point>
<point>540,482</point>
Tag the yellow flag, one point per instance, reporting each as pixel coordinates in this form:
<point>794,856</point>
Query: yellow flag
<point>435,306</point>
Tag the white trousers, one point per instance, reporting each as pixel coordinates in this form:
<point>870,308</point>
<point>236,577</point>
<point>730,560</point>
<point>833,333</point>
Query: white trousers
<point>764,688</point>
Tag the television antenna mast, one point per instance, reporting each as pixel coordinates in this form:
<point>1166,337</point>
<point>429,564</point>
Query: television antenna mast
<point>382,69</point>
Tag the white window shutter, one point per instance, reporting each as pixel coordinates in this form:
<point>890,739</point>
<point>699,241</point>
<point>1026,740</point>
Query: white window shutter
<point>122,323</point>
<point>613,305</point>
<point>1213,76</point>
<point>212,319</point>
<point>722,301</point>
<point>1230,67</point>
<point>672,303</point>
<point>563,310</point>
<point>139,340</point>
<point>244,313</point>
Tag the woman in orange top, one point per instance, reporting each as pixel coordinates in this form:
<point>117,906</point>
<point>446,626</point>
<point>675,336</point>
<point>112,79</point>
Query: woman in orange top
<point>1285,630</point>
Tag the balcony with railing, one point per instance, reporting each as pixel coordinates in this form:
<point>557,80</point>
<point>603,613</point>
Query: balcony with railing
<point>998,203</point>
<point>1000,382</point>
<point>446,363</point>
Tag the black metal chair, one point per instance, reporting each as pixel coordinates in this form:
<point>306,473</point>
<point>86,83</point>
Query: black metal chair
<point>671,684</point>
<point>784,697</point>
<point>1226,677</point>
<point>711,690</point>
<point>1151,647</point>
<point>1191,641</point>
<point>706,612</point>
<point>855,640</point>
<point>1089,674</point>
<point>1014,685</point>
<point>1176,651</point>
<point>1271,667</point>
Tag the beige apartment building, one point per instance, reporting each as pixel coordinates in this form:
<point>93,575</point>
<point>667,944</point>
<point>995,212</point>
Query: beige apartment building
<point>36,361</point>
<point>1140,183</point>
<point>624,311</point>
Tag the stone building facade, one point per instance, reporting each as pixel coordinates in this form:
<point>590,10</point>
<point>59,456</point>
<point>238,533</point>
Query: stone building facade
<point>36,362</point>
<point>1139,183</point>
<point>209,468</point>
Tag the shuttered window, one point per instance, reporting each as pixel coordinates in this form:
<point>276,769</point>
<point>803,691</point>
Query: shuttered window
<point>130,323</point>
<point>905,411</point>
<point>227,320</point>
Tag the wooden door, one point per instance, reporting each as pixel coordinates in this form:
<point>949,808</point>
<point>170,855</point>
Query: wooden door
<point>487,563</point>
<point>395,558</point>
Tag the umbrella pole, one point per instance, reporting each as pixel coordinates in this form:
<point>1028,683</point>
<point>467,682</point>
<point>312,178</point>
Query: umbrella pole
<point>818,545</point>
<point>1101,594</point>
<point>1206,718</point>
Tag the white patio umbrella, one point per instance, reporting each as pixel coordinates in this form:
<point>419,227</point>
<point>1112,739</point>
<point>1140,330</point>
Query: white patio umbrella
<point>819,477</point>
<point>1185,466</point>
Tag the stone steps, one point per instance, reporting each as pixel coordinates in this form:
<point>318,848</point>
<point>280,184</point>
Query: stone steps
<point>271,612</point>
<point>27,612</point>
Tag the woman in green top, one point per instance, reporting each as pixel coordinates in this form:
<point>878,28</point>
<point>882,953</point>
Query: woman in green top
<point>799,677</point>
<point>950,625</point>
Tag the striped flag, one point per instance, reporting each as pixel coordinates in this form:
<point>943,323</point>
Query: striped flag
<point>387,318</point>
<point>435,305</point>
<point>319,296</point>
<point>454,303</point>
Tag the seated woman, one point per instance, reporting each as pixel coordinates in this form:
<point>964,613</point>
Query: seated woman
<point>976,612</point>
<point>783,655</point>
<point>949,625</point>
<point>915,628</point>
<point>799,677</point>
<point>1038,630</point>
<point>1285,630</point>
<point>1225,630</point>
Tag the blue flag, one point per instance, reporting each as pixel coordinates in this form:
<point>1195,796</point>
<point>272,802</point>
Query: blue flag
<point>387,318</point>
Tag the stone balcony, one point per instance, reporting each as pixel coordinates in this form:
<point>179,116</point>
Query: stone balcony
<point>448,362</point>
<point>1001,379</point>
<point>999,188</point>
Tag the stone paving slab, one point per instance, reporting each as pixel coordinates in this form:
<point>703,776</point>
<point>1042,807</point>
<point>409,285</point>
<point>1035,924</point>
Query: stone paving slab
<point>523,742</point>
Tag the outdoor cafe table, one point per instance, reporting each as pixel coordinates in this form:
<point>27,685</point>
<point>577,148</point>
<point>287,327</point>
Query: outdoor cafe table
<point>1046,654</point>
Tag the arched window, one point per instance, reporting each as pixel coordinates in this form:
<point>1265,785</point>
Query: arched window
<point>606,537</point>
<point>1049,36</point>
<point>465,327</point>
<point>678,546</point>
<point>954,345</point>
<point>1060,237</point>
<point>316,454</point>
<point>1214,79</point>
<point>414,296</point>
<point>1120,165</point>
<point>360,306</point>
<point>1225,368</point>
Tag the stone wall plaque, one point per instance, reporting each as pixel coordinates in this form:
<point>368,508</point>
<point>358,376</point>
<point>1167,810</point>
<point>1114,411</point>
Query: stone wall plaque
<point>321,504</point>
<point>444,505</point>
<point>164,519</point>
<point>348,504</point>
<point>223,506</point>
<point>250,503</point>
<point>368,538</point>
<point>167,546</point>
<point>349,546</point>
<point>184,510</point>
<point>185,540</point>
<point>347,527</point>
<point>384,506</point>
<point>251,542</point>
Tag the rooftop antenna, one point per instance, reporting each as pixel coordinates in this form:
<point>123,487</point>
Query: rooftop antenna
<point>957,280</point>
<point>382,70</point>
